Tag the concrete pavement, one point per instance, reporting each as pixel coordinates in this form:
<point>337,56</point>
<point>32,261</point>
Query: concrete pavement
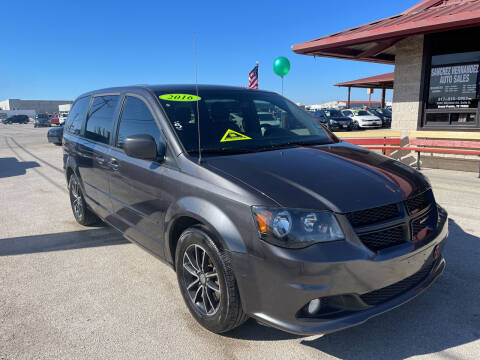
<point>67,291</point>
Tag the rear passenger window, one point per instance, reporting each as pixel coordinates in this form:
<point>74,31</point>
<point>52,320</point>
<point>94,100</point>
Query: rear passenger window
<point>77,116</point>
<point>100,118</point>
<point>136,119</point>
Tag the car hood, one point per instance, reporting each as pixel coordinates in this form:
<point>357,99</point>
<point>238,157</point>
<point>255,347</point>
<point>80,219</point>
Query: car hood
<point>341,118</point>
<point>339,177</point>
<point>366,117</point>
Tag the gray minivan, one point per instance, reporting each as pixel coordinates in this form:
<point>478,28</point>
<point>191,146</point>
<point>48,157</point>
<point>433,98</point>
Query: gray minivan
<point>257,220</point>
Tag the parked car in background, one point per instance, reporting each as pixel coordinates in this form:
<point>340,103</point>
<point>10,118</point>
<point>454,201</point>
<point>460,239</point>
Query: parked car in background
<point>255,223</point>
<point>62,117</point>
<point>55,135</point>
<point>384,114</point>
<point>335,120</point>
<point>16,119</point>
<point>41,120</point>
<point>54,120</point>
<point>362,119</point>
<point>319,116</point>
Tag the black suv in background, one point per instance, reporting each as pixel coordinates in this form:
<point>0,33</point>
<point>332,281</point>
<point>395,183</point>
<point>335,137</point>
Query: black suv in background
<point>16,119</point>
<point>274,219</point>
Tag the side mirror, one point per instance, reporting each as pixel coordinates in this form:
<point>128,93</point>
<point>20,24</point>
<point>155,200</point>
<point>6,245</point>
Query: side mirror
<point>144,147</point>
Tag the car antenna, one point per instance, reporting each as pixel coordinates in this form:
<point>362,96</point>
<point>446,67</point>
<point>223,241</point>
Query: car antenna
<point>196,93</point>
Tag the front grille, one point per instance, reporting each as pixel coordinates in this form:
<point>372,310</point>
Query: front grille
<point>417,227</point>
<point>382,239</point>
<point>422,227</point>
<point>373,215</point>
<point>419,202</point>
<point>379,296</point>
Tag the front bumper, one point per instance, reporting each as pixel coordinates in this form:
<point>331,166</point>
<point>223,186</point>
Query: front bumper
<point>340,126</point>
<point>277,285</point>
<point>370,125</point>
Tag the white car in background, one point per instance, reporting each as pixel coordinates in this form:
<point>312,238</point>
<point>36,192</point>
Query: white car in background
<point>62,118</point>
<point>363,119</point>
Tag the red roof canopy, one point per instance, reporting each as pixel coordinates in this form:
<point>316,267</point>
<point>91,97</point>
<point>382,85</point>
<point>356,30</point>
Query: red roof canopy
<point>374,41</point>
<point>384,81</point>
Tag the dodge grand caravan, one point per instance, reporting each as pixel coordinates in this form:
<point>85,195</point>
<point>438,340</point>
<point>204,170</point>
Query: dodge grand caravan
<point>257,220</point>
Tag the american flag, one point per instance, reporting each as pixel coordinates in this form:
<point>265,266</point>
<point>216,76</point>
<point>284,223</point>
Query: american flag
<point>253,78</point>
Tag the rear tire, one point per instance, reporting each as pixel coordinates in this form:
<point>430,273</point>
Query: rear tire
<point>83,215</point>
<point>207,282</point>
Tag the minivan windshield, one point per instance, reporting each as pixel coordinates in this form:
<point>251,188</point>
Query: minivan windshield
<point>237,121</point>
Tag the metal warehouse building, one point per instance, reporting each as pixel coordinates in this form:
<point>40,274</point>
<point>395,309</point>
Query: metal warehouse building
<point>40,106</point>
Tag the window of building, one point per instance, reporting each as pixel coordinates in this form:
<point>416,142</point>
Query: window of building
<point>136,119</point>
<point>452,80</point>
<point>77,116</point>
<point>100,118</point>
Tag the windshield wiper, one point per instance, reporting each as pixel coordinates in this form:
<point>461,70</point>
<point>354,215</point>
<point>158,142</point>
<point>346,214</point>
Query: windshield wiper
<point>223,151</point>
<point>294,144</point>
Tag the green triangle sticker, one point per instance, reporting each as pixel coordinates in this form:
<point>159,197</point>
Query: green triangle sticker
<point>231,135</point>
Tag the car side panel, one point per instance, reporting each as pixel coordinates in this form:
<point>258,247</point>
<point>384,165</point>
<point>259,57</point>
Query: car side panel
<point>140,198</point>
<point>92,165</point>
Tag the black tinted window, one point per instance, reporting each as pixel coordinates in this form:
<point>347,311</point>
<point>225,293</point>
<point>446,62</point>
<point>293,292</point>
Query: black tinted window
<point>76,117</point>
<point>136,119</point>
<point>100,117</point>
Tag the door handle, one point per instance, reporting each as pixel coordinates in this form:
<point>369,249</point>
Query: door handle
<point>114,164</point>
<point>100,160</point>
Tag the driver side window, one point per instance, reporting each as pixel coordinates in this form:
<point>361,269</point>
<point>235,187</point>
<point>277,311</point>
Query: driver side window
<point>136,119</point>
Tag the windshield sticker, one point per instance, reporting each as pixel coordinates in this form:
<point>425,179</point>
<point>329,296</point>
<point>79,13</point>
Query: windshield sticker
<point>179,97</point>
<point>231,135</point>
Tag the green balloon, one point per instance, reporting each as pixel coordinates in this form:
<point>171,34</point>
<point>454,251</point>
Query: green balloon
<point>281,66</point>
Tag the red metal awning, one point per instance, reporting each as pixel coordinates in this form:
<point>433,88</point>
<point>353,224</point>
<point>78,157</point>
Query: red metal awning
<point>374,41</point>
<point>384,81</point>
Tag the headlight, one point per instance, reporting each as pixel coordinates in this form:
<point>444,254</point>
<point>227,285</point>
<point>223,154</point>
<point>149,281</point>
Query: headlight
<point>296,228</point>
<point>333,122</point>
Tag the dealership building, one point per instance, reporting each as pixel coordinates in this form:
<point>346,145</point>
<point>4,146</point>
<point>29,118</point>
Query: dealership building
<point>434,47</point>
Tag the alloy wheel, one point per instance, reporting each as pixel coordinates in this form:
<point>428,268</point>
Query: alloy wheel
<point>201,280</point>
<point>76,198</point>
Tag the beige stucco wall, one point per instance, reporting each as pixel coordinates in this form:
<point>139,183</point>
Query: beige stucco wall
<point>406,94</point>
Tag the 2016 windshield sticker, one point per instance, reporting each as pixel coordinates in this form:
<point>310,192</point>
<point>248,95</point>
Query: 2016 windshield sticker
<point>180,97</point>
<point>231,135</point>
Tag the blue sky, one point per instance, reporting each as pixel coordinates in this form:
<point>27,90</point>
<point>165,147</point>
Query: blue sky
<point>59,49</point>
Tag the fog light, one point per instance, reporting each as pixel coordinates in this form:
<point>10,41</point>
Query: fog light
<point>314,306</point>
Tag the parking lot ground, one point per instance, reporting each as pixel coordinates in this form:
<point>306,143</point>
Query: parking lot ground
<point>71,292</point>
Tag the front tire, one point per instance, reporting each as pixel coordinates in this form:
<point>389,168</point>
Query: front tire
<point>207,282</point>
<point>83,215</point>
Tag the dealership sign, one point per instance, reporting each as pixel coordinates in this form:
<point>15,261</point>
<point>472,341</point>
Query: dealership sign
<point>454,86</point>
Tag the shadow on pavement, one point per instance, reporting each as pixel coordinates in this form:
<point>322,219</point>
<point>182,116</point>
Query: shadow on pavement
<point>252,330</point>
<point>10,166</point>
<point>445,316</point>
<point>101,236</point>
